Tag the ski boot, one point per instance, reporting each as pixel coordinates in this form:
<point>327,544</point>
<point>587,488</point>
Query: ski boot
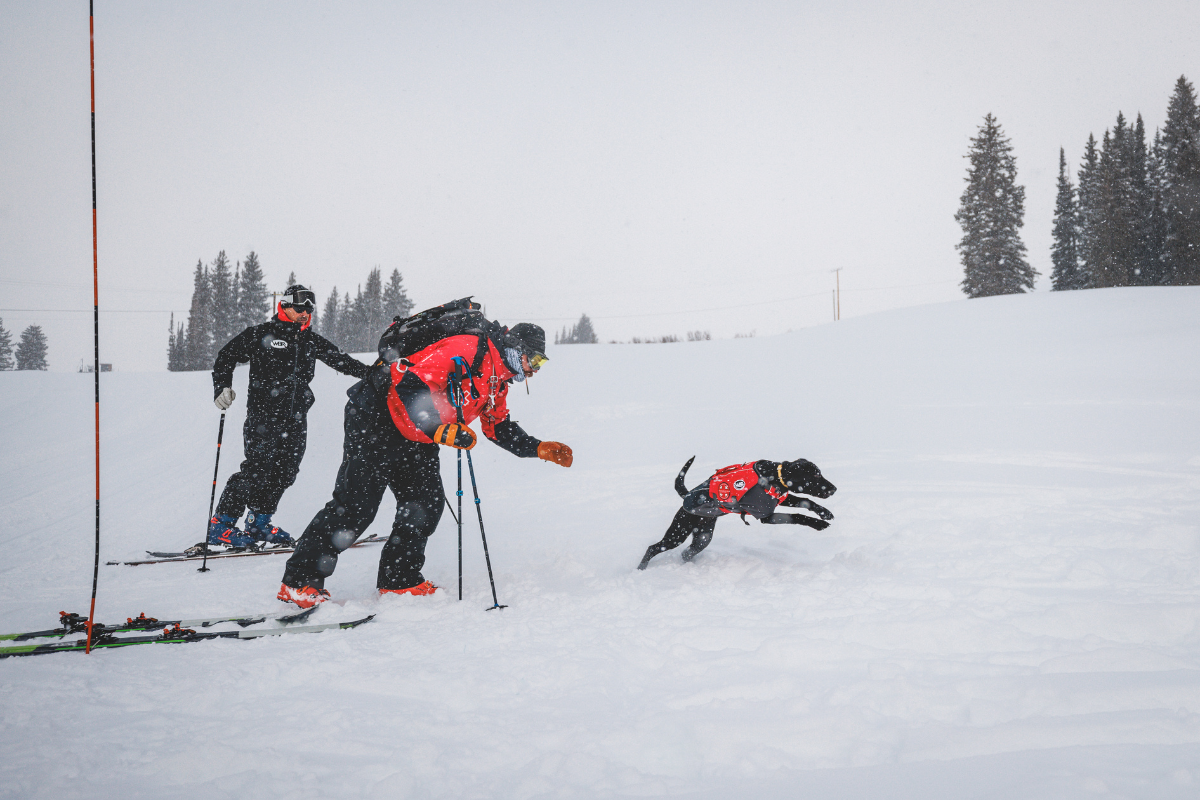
<point>422,588</point>
<point>223,532</point>
<point>259,527</point>
<point>305,596</point>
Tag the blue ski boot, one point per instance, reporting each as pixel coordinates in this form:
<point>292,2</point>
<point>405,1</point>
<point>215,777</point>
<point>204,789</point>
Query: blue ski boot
<point>260,528</point>
<point>223,530</point>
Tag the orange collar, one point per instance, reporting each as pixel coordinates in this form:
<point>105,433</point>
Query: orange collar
<point>283,318</point>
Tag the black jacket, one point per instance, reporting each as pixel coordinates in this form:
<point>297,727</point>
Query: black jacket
<point>282,358</point>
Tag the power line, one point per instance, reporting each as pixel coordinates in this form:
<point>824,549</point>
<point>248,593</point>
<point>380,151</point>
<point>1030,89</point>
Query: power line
<point>514,316</point>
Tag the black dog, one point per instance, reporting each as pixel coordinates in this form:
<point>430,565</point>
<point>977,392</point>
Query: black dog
<point>756,488</point>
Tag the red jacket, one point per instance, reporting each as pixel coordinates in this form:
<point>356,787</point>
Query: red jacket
<point>419,398</point>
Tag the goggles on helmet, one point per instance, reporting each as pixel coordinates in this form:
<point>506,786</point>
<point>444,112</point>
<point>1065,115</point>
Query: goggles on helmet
<point>303,300</point>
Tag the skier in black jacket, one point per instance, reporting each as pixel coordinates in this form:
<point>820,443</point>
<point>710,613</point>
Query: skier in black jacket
<point>282,355</point>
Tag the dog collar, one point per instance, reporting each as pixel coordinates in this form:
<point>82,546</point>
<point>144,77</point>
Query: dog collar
<point>782,482</point>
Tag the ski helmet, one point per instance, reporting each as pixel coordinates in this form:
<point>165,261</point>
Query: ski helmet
<point>298,297</point>
<point>530,339</point>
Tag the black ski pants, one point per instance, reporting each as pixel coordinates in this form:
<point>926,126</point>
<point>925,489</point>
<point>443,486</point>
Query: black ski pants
<point>683,526</point>
<point>274,448</point>
<point>375,457</point>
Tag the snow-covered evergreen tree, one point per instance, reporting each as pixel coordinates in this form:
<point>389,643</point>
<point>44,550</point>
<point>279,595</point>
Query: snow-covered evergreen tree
<point>1181,178</point>
<point>224,305</point>
<point>31,350</point>
<point>581,332</point>
<point>6,348</point>
<point>374,318</point>
<point>354,317</point>
<point>1156,273</point>
<point>254,305</point>
<point>395,299</point>
<point>331,319</point>
<point>991,214</point>
<point>1114,227</point>
<point>1064,253</point>
<point>1089,215</point>
<point>175,346</point>
<point>198,347</point>
<point>1137,158</point>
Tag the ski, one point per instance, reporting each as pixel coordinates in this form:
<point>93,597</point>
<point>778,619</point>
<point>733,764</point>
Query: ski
<point>77,623</point>
<point>195,554</point>
<point>174,635</point>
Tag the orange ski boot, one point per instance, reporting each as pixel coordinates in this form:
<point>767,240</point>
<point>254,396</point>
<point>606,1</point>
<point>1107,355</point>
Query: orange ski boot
<point>305,596</point>
<point>424,587</point>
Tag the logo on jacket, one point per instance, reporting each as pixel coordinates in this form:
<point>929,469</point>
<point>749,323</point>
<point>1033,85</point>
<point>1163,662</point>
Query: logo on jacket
<point>739,484</point>
<point>278,344</point>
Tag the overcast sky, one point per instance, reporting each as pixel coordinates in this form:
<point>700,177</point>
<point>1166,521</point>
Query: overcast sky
<point>662,167</point>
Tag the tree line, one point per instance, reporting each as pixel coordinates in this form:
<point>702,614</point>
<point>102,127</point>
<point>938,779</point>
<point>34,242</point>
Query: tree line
<point>1132,218</point>
<point>227,299</point>
<point>30,352</point>
<point>356,325</point>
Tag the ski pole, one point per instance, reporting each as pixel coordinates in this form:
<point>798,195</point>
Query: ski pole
<point>456,381</point>
<point>459,520</point>
<point>479,511</point>
<point>213,499</point>
<point>456,401</point>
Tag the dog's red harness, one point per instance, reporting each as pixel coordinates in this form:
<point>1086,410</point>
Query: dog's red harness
<point>729,484</point>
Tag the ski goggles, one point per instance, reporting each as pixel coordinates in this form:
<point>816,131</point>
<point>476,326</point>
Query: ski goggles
<point>305,300</point>
<point>536,360</point>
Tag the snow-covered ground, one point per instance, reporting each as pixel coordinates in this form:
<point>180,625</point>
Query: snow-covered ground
<point>1007,605</point>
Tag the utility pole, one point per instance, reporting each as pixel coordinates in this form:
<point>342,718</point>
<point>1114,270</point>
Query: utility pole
<point>837,295</point>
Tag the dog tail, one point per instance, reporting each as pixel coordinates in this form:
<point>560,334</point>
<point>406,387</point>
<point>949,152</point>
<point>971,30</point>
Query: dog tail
<point>679,486</point>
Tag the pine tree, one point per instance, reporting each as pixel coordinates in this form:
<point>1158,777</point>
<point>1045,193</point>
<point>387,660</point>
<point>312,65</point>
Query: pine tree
<point>253,307</point>
<point>1089,214</point>
<point>1137,159</point>
<point>374,318</point>
<point>991,214</point>
<point>31,350</point>
<point>291,281</point>
<point>331,319</point>
<point>1064,253</point>
<point>198,349</point>
<point>354,318</point>
<point>1156,225</point>
<point>581,332</point>
<point>1181,178</point>
<point>1114,226</point>
<point>6,348</point>
<point>224,306</point>
<point>175,339</point>
<point>395,299</point>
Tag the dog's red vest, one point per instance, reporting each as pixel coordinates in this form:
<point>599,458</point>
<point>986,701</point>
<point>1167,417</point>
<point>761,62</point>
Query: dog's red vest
<point>729,484</point>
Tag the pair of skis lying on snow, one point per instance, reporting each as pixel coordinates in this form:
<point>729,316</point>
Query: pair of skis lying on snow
<point>196,553</point>
<point>173,631</point>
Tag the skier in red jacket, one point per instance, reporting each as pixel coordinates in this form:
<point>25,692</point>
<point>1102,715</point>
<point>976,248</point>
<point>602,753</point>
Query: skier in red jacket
<point>756,488</point>
<point>394,428</point>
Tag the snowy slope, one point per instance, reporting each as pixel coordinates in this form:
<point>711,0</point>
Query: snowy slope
<point>1007,605</point>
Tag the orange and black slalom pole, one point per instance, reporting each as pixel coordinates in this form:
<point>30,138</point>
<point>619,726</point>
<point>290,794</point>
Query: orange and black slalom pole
<point>213,497</point>
<point>95,320</point>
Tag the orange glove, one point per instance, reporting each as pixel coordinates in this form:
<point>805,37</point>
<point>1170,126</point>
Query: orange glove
<point>454,435</point>
<point>557,452</point>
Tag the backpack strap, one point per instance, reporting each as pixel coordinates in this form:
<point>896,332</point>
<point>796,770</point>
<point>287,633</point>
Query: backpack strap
<point>490,330</point>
